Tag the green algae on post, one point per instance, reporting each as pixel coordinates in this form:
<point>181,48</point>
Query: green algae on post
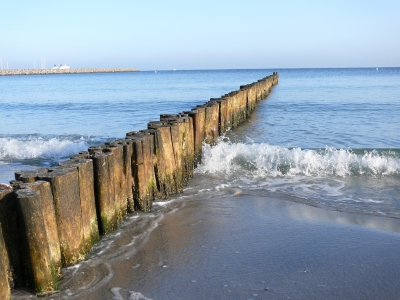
<point>84,167</point>
<point>50,222</point>
<point>34,243</point>
<point>65,188</point>
<point>4,269</point>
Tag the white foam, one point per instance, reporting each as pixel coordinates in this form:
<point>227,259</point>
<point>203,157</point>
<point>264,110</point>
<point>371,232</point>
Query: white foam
<point>162,203</point>
<point>222,186</point>
<point>116,291</point>
<point>371,200</point>
<point>261,160</point>
<point>137,296</point>
<point>38,147</point>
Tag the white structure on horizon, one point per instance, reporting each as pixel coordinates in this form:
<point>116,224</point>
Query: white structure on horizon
<point>60,67</point>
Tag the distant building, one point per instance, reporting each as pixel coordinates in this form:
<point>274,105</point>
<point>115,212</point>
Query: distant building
<point>60,67</point>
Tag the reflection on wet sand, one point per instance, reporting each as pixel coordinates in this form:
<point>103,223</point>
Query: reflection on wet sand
<point>305,212</point>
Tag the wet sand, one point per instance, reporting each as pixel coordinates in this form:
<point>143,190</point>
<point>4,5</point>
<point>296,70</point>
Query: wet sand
<point>240,246</point>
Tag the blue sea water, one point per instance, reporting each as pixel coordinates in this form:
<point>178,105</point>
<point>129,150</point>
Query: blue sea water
<point>324,137</point>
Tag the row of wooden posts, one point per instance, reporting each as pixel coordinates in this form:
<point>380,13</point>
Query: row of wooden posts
<point>51,218</point>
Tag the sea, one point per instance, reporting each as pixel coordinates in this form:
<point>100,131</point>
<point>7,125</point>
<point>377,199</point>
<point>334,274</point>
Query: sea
<point>323,137</point>
<point>326,141</point>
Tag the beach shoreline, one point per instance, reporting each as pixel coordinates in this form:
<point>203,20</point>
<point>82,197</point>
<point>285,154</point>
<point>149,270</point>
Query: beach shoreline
<point>241,246</point>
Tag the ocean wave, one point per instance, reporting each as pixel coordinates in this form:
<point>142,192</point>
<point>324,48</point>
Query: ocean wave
<point>259,160</point>
<point>33,147</point>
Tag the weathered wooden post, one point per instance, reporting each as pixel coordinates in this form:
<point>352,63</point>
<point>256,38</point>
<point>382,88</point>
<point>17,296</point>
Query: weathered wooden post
<point>231,117</point>
<point>211,122</point>
<point>118,175</point>
<point>250,102</point>
<point>260,90</point>
<point>65,188</point>
<point>127,173</point>
<point>198,115</point>
<point>85,170</point>
<point>221,115</point>
<point>50,222</point>
<point>242,99</point>
<point>103,163</point>
<point>166,168</point>
<point>178,153</point>
<point>234,109</point>
<point>41,275</point>
<point>4,269</point>
<point>128,153</point>
<point>138,173</point>
<point>188,141</point>
<point>263,85</point>
<point>144,185</point>
<point>11,235</point>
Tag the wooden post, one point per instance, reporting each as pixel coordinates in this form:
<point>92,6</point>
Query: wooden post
<point>242,99</point>
<point>189,145</point>
<point>223,116</point>
<point>50,222</point>
<point>186,145</point>
<point>142,170</point>
<point>118,173</point>
<point>198,116</point>
<point>166,164</point>
<point>230,116</point>
<point>211,122</point>
<point>104,191</point>
<point>41,276</point>
<point>65,188</point>
<point>178,169</point>
<point>11,235</point>
<point>85,170</point>
<point>127,174</point>
<point>4,270</point>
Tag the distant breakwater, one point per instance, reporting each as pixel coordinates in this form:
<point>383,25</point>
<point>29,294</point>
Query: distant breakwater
<point>12,72</point>
<point>50,218</point>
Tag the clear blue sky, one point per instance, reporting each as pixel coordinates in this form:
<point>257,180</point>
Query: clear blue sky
<point>162,35</point>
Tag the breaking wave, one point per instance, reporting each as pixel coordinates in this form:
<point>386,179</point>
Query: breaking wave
<point>259,160</point>
<point>32,147</point>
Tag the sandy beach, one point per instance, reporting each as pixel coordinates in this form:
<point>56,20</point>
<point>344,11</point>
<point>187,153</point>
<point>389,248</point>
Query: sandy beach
<point>241,246</point>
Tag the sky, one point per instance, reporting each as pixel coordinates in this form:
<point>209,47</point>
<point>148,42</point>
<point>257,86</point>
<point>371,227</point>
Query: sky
<point>207,34</point>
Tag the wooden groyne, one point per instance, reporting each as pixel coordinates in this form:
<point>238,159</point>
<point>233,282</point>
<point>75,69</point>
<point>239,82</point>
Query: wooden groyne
<point>12,72</point>
<point>51,218</point>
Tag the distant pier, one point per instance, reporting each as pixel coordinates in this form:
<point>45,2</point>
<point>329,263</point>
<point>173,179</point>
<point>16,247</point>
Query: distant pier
<point>12,72</point>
